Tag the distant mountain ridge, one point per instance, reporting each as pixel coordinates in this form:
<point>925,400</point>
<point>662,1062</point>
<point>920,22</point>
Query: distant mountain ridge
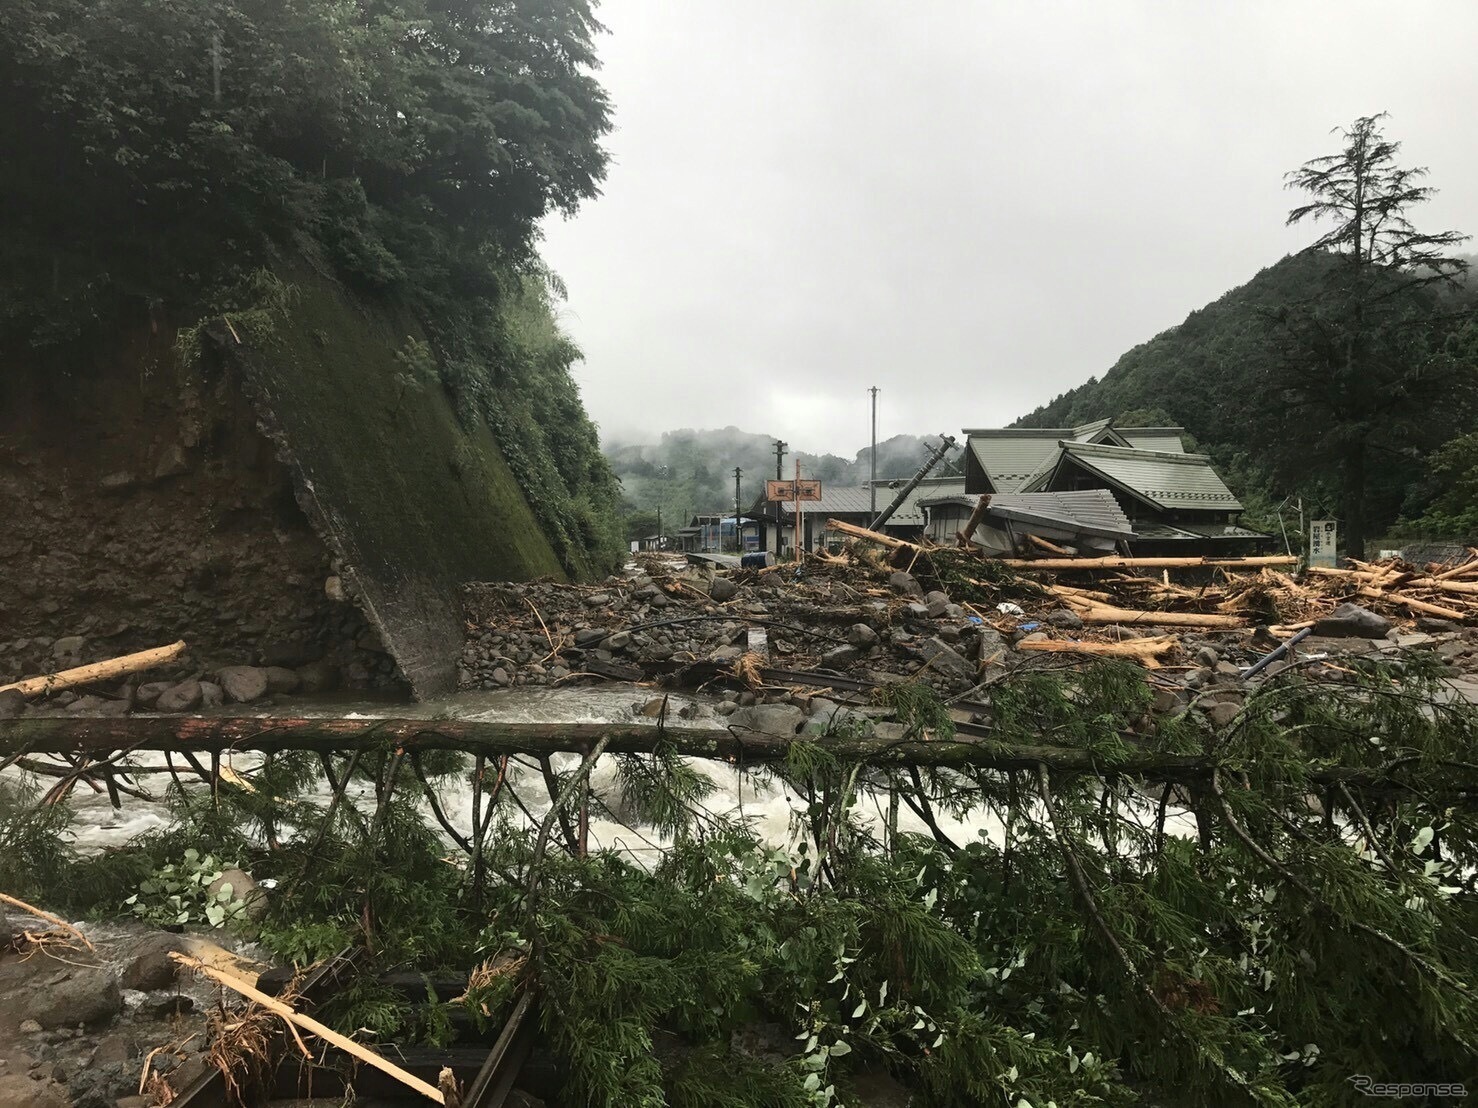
<point>689,471</point>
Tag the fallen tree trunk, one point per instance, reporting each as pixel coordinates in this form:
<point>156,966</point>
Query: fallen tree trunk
<point>1117,562</point>
<point>98,671</point>
<point>98,736</point>
<point>1415,605</point>
<point>871,536</point>
<point>1092,611</point>
<point>1146,651</point>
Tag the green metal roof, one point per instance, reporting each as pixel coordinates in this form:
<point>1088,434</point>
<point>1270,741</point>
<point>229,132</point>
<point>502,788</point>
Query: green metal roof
<point>1165,479</point>
<point>1167,439</point>
<point>1008,457</point>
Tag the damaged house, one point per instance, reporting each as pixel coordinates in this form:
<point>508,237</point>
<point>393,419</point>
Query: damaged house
<point>1058,483</point>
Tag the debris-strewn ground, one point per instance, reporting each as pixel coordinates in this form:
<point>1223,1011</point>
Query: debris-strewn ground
<point>956,622</point>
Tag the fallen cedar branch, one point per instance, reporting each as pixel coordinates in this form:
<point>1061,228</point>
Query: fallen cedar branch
<point>1144,651</point>
<point>1115,561</point>
<point>60,734</point>
<point>48,917</point>
<point>313,1027</point>
<point>97,671</point>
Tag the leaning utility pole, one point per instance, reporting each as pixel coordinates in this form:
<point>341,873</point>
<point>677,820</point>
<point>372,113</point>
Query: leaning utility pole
<point>872,458</point>
<point>738,532</point>
<point>780,451</point>
<point>934,457</point>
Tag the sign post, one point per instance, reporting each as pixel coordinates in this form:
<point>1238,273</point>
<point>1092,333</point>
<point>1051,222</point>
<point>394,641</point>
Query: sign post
<point>778,492</point>
<point>1323,534</point>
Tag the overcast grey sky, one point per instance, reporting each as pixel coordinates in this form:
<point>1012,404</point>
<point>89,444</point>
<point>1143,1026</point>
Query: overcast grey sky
<point>972,205</point>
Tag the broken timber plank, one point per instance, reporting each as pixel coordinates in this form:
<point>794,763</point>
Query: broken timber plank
<point>1117,562</point>
<point>97,671</point>
<point>1415,605</point>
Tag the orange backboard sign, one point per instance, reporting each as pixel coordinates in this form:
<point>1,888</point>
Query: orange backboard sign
<point>786,490</point>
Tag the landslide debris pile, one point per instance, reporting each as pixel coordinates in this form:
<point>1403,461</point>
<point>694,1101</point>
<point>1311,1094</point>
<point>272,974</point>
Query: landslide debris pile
<point>957,621</point>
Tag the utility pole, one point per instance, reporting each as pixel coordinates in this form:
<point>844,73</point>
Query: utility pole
<point>738,531</point>
<point>780,451</point>
<point>872,458</point>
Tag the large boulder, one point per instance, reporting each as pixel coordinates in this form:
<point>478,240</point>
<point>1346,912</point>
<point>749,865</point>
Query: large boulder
<point>1351,621</point>
<point>149,965</point>
<point>184,697</point>
<point>243,684</point>
<point>722,589</point>
<point>905,584</point>
<point>77,994</point>
<point>946,661</point>
<point>770,719</point>
<point>243,888</point>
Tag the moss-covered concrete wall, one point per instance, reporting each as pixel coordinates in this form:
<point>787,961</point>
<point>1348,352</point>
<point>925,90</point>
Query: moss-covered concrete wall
<point>414,501</point>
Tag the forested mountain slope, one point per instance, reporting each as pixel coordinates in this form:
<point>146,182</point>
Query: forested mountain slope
<point>1216,375</point>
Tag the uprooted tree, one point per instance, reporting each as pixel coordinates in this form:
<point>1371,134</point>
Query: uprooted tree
<point>1151,910</point>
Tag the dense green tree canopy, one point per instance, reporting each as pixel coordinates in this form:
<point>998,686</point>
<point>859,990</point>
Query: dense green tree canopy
<point>162,153</point>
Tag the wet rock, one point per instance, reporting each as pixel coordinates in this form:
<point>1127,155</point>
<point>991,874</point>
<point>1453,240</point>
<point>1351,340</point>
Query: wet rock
<point>589,636</point>
<point>1223,712</point>
<point>19,1091</point>
<point>166,1007</point>
<point>1435,626</point>
<point>12,704</point>
<point>172,462</point>
<point>280,679</point>
<point>211,695</point>
<point>1035,636</point>
<point>619,641</point>
<point>905,584</point>
<point>149,965</point>
<point>68,646</point>
<point>319,676</point>
<point>769,719</point>
<point>1168,700</point>
<point>88,705</point>
<point>943,659</point>
<point>862,636</point>
<point>1416,638</point>
<point>726,653</point>
<point>243,684</point>
<point>149,692</point>
<point>1062,617</point>
<point>78,994</point>
<point>1208,656</point>
<point>916,611</point>
<point>721,589</point>
<point>840,656</point>
<point>500,677</point>
<point>1353,621</point>
<point>333,588</point>
<point>183,697</point>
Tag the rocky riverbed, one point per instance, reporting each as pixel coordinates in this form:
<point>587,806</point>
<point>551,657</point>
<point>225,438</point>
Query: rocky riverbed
<point>77,1025</point>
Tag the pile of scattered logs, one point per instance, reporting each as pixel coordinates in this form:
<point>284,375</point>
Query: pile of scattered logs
<point>1444,593</point>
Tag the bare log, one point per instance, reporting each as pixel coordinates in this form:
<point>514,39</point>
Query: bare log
<point>98,671</point>
<point>61,734</point>
<point>1146,651</point>
<point>1117,562</point>
<point>1415,605</point>
<point>313,1027</point>
<point>871,536</point>
<point>966,536</point>
<point>1091,612</point>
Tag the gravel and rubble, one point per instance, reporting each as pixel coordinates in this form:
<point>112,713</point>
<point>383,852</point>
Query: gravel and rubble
<point>954,623</point>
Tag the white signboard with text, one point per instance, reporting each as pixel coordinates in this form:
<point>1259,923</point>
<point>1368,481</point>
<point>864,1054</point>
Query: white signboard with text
<point>1322,536</point>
